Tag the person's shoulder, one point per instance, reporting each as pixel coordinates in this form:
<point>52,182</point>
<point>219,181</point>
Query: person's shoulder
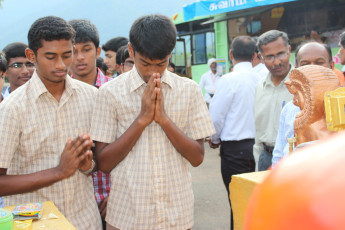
<point>15,101</point>
<point>117,87</point>
<point>225,78</point>
<point>182,81</point>
<point>260,83</point>
<point>17,97</point>
<point>206,74</point>
<point>83,86</point>
<point>116,82</point>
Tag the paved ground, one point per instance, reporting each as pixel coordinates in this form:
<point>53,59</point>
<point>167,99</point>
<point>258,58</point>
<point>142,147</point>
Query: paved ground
<point>212,211</point>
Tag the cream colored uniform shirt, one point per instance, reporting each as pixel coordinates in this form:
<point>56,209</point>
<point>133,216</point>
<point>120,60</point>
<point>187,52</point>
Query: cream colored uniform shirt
<point>151,187</point>
<point>269,102</point>
<point>34,128</point>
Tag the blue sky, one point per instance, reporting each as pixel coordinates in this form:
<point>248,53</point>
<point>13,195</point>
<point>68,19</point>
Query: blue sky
<point>112,17</point>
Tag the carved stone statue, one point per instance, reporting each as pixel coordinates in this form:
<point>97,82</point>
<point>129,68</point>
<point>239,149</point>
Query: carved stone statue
<point>308,84</point>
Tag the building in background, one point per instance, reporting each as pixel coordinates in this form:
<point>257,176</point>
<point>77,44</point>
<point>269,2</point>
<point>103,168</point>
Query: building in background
<point>206,28</point>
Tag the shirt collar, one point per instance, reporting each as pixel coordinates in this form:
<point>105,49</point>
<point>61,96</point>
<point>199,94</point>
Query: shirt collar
<point>100,79</point>
<point>243,65</point>
<point>268,80</point>
<point>213,74</point>
<point>7,92</point>
<point>38,88</point>
<point>168,78</point>
<point>136,81</point>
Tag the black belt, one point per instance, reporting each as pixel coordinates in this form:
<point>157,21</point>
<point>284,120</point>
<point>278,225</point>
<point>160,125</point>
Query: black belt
<point>268,148</point>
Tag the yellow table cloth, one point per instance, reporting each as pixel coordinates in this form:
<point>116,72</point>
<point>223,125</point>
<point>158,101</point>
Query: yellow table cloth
<point>241,188</point>
<point>51,219</point>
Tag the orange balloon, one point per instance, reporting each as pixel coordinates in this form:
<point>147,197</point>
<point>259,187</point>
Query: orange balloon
<point>304,191</point>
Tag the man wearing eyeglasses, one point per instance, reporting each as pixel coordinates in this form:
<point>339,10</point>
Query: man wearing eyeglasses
<point>19,68</point>
<point>271,93</point>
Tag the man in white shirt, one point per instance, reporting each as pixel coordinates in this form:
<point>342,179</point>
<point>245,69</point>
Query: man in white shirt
<point>232,113</point>
<point>208,80</point>
<point>258,66</point>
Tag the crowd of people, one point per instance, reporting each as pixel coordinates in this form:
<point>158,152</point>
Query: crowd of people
<point>251,108</point>
<point>110,141</point>
<point>110,157</point>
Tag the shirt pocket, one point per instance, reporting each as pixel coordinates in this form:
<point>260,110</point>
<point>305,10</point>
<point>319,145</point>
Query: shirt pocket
<point>179,116</point>
<point>37,147</point>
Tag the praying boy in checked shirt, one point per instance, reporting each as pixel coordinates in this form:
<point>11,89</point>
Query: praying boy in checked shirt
<point>148,131</point>
<point>84,68</point>
<point>43,130</point>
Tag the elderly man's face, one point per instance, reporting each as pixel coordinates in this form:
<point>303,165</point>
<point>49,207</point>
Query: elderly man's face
<point>313,54</point>
<point>213,67</point>
<point>276,56</point>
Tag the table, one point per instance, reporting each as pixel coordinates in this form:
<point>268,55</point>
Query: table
<point>51,218</point>
<point>241,188</point>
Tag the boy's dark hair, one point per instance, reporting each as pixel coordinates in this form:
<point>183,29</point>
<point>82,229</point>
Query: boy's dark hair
<point>329,51</point>
<point>3,62</point>
<point>114,44</point>
<point>119,54</point>
<point>49,28</point>
<point>124,54</point>
<point>153,36</point>
<point>271,36</point>
<point>342,39</point>
<point>15,49</point>
<point>100,64</point>
<point>172,65</point>
<point>243,48</point>
<point>85,31</point>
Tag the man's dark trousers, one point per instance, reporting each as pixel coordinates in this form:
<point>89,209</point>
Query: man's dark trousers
<point>236,158</point>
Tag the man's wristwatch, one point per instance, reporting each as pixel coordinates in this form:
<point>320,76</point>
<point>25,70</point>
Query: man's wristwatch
<point>88,172</point>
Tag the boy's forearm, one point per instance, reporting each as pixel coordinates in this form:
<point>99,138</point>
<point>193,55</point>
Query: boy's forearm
<point>192,150</point>
<point>17,184</point>
<point>112,154</point>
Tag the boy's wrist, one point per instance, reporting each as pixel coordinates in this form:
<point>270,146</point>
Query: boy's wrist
<point>89,171</point>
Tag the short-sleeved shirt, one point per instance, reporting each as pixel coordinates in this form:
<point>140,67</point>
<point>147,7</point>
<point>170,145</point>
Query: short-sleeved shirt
<point>269,102</point>
<point>34,128</point>
<point>151,187</point>
<point>101,181</point>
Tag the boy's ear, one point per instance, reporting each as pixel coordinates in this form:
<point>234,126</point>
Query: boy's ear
<point>130,50</point>
<point>30,55</point>
<point>99,50</point>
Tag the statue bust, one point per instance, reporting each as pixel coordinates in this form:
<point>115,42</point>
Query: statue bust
<point>308,84</point>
